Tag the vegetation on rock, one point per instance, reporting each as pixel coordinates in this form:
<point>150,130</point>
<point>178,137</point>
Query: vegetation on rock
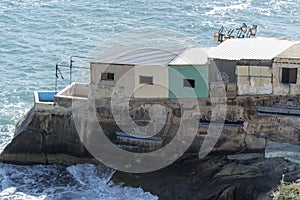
<point>287,191</point>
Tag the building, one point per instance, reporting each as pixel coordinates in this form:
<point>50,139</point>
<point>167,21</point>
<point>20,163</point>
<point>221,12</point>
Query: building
<point>286,69</point>
<point>149,72</point>
<point>247,65</point>
<point>250,66</point>
<point>188,74</point>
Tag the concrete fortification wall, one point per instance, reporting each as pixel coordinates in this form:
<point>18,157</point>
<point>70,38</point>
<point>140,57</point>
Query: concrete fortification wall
<point>50,136</point>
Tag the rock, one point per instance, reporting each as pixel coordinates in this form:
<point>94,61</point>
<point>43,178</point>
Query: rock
<point>255,143</point>
<point>231,140</point>
<point>227,194</point>
<point>239,170</point>
<point>282,150</point>
<point>45,138</point>
<point>214,178</point>
<point>50,135</point>
<point>245,156</point>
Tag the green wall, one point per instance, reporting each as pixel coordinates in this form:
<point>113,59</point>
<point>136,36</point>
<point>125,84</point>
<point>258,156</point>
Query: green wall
<point>178,73</point>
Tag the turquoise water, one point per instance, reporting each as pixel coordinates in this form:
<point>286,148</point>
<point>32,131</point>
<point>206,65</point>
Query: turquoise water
<point>36,34</point>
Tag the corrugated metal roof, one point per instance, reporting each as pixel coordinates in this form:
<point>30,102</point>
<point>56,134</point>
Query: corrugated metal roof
<point>128,55</point>
<point>260,48</point>
<point>291,53</point>
<point>191,56</point>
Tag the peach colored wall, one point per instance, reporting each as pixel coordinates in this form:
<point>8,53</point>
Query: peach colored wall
<point>160,80</point>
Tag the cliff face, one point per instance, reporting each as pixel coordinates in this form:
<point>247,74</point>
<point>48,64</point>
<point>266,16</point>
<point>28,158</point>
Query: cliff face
<point>50,136</point>
<point>216,177</point>
<point>234,169</point>
<point>46,137</point>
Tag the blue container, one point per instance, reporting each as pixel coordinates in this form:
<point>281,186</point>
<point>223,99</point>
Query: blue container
<point>46,96</point>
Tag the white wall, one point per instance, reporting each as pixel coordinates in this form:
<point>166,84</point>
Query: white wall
<point>254,80</point>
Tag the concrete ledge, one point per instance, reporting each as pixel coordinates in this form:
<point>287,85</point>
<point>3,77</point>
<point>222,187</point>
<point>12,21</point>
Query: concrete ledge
<point>73,92</point>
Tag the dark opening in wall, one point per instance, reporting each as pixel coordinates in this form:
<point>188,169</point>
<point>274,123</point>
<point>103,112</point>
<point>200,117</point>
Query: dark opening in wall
<point>146,80</point>
<point>189,83</point>
<point>108,76</point>
<point>289,75</point>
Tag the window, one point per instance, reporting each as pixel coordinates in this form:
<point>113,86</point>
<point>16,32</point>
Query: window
<point>107,76</point>
<point>189,83</point>
<point>289,75</point>
<point>146,80</point>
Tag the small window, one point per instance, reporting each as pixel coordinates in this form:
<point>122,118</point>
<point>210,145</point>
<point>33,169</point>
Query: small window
<point>107,76</point>
<point>189,83</point>
<point>289,75</point>
<point>146,80</point>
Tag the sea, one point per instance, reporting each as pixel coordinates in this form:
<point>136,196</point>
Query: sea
<point>37,34</point>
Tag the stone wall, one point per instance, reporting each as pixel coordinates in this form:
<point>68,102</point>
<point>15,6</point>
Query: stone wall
<point>50,136</point>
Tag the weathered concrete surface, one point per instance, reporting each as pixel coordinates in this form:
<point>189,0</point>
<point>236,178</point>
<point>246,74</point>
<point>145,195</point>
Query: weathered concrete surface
<point>50,136</point>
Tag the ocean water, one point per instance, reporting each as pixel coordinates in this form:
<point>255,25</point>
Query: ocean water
<point>36,34</point>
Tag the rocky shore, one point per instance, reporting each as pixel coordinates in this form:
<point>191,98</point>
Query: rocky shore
<point>216,177</point>
<point>236,168</point>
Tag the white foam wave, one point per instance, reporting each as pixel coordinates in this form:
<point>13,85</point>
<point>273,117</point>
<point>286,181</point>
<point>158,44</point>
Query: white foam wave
<point>96,179</point>
<point>6,135</point>
<point>11,112</point>
<point>11,194</point>
<point>222,9</point>
<point>58,182</point>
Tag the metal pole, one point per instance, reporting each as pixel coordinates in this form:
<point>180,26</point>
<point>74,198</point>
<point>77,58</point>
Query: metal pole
<point>56,76</point>
<point>71,61</point>
<point>70,66</point>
